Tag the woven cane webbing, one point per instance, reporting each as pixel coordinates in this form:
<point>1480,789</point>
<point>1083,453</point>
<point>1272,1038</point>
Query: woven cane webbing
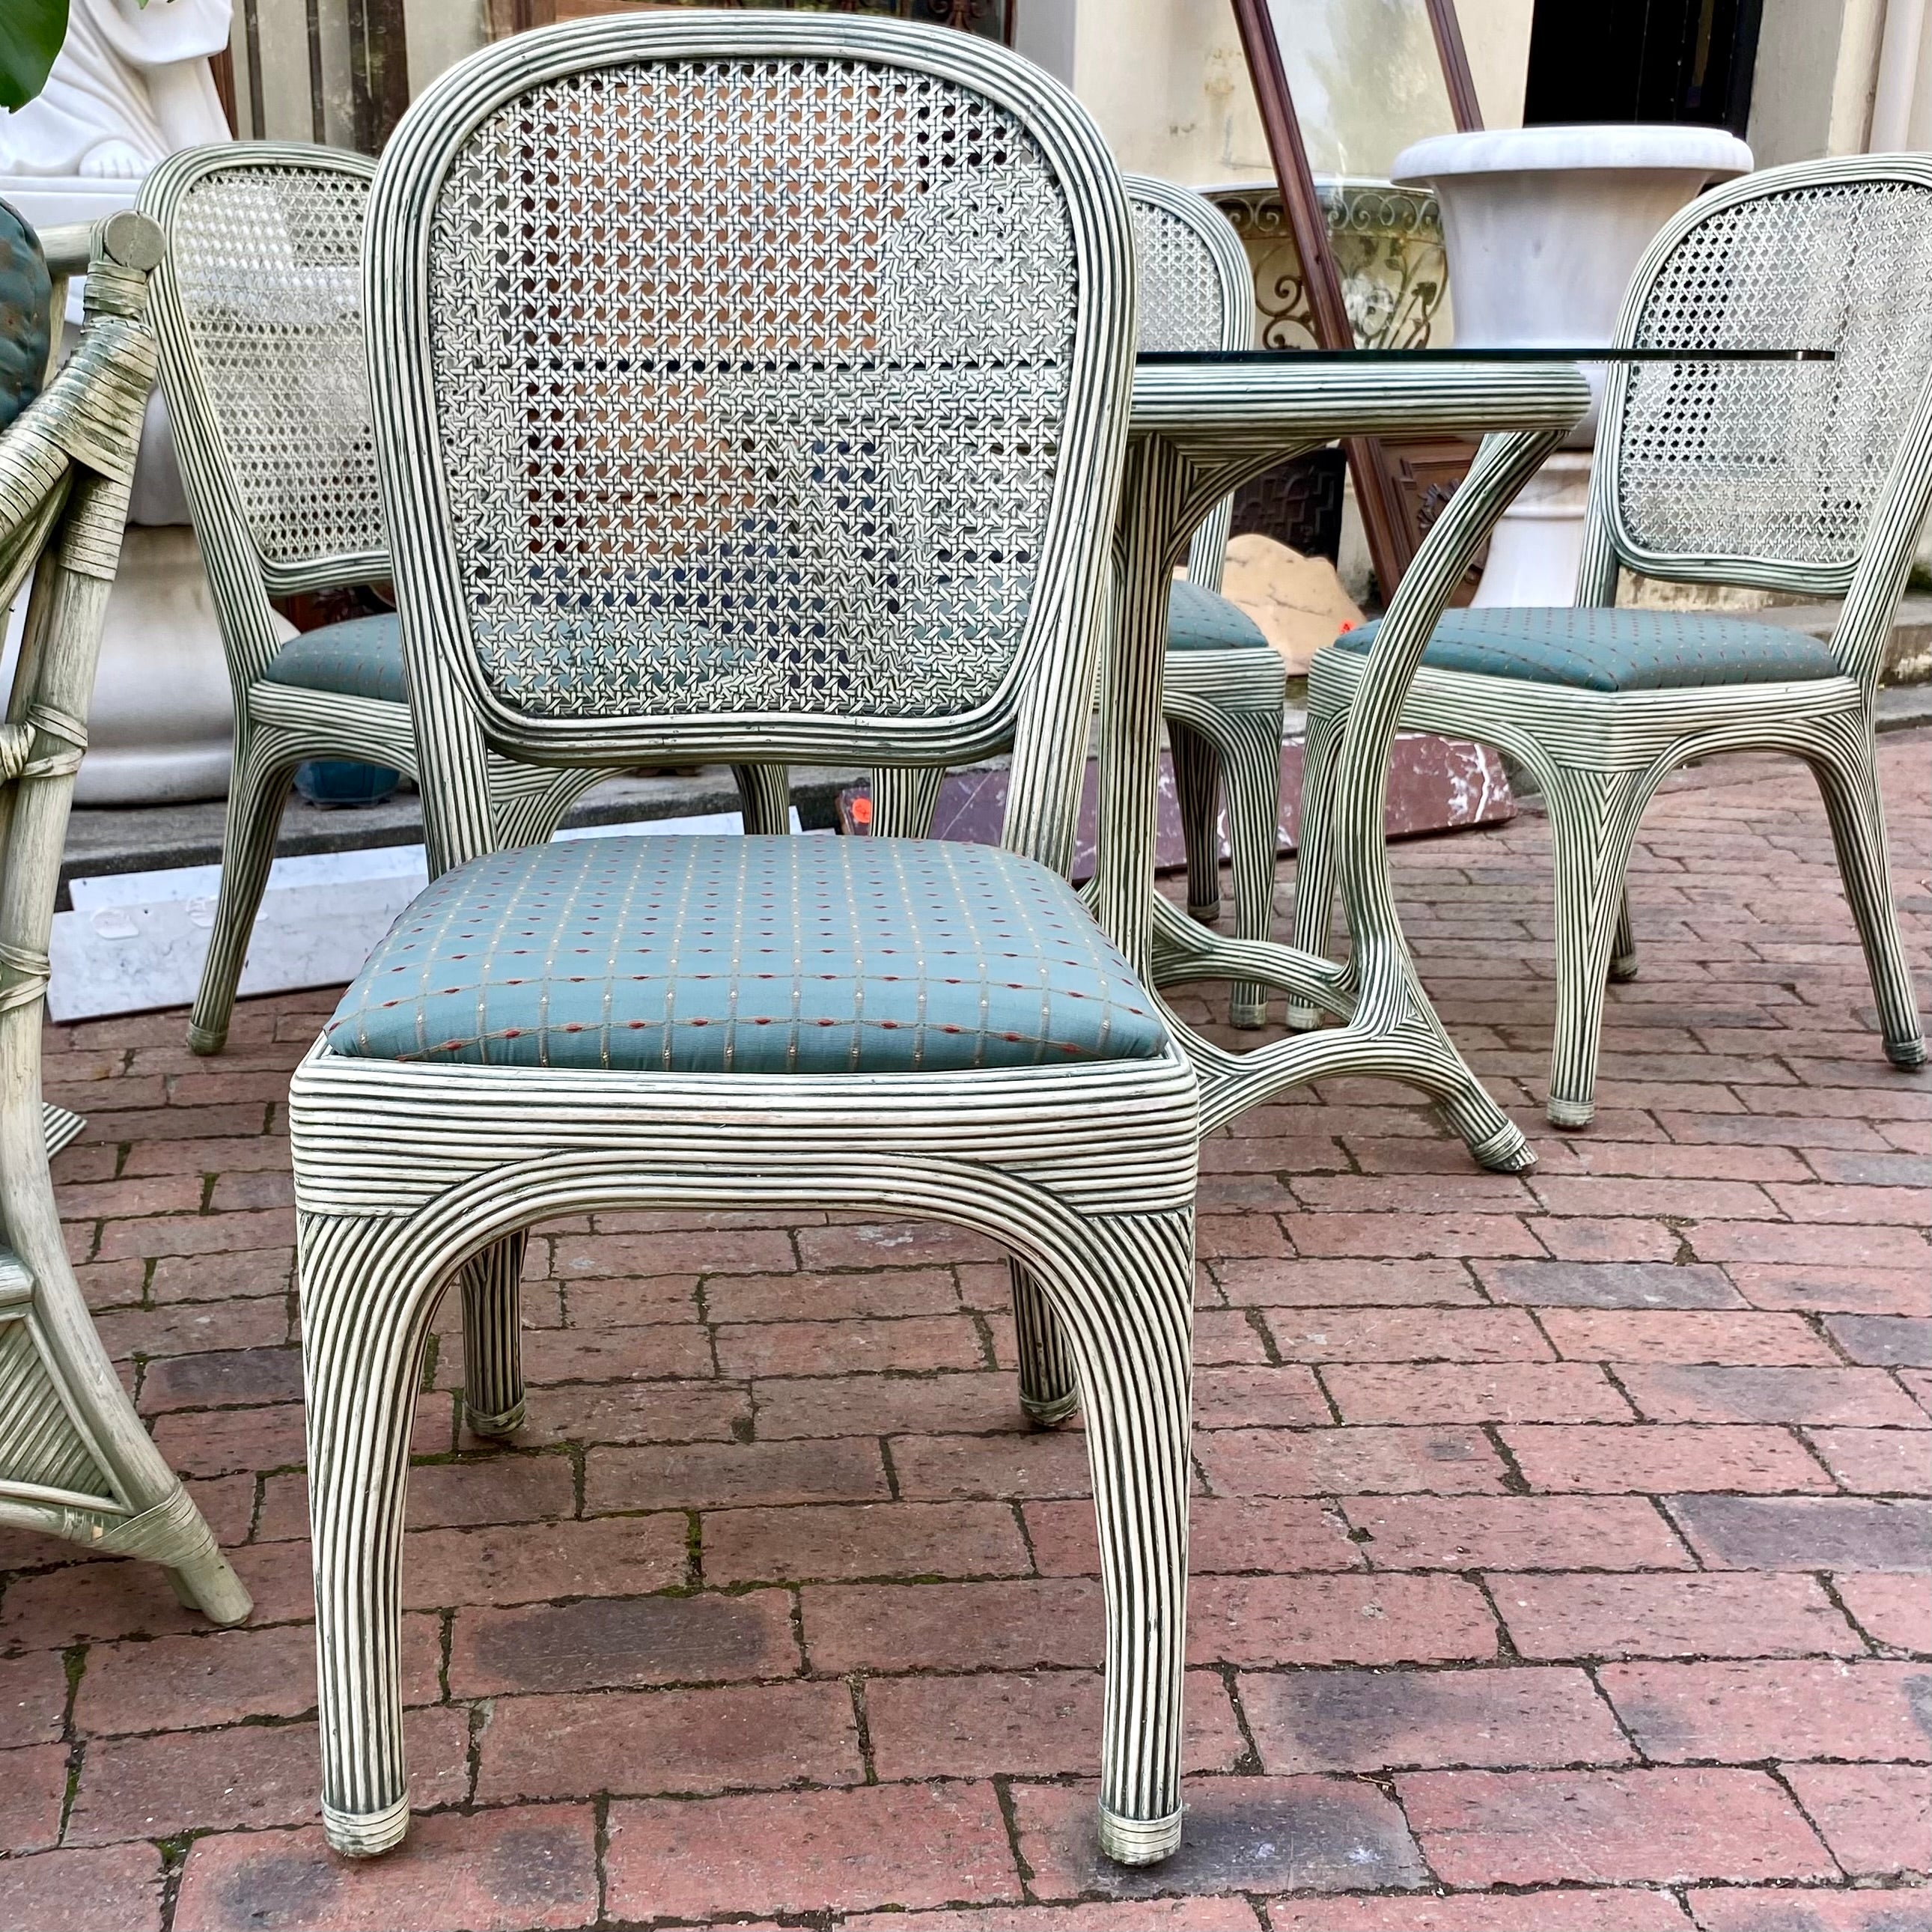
<point>750,375</point>
<point>1179,281</point>
<point>268,262</point>
<point>1779,460</point>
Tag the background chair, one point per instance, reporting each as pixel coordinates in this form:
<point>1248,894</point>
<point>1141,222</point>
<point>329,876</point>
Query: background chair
<point>1811,477</point>
<point>74,1459</point>
<point>1224,689</point>
<point>670,479</point>
<point>258,308</point>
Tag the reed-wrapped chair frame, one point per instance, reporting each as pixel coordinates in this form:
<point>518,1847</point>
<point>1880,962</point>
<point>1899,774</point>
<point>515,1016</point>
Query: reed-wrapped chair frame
<point>665,483</point>
<point>75,1461</point>
<point>1811,477</point>
<point>258,309</point>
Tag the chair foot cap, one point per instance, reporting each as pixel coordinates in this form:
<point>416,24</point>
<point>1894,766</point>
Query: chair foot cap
<point>209,1585</point>
<point>1247,1017</point>
<point>366,1835</point>
<point>1050,1414</point>
<point>1139,1841</point>
<point>1571,1113</point>
<point>206,1040</point>
<point>1506,1151</point>
<point>508,1423</point>
<point>1623,967</point>
<point>1303,1019</point>
<point>1907,1055</point>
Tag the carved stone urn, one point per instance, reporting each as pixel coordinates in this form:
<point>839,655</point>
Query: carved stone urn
<point>1543,227</point>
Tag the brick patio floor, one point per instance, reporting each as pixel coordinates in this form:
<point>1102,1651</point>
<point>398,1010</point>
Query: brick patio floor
<point>1555,1547</point>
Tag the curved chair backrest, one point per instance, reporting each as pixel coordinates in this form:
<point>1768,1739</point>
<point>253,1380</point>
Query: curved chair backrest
<point>749,388</point>
<point>259,313</point>
<point>1792,476</point>
<point>1196,291</point>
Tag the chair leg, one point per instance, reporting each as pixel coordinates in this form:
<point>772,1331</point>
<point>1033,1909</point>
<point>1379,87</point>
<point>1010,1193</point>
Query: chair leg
<point>492,1342</point>
<point>1315,871</point>
<point>1127,1318</point>
<point>1847,775</point>
<point>1623,948</point>
<point>764,798</point>
<point>365,1326</point>
<point>1049,1390</point>
<point>1251,768</point>
<point>1197,785</point>
<point>1592,821</point>
<point>256,793</point>
<point>905,798</point>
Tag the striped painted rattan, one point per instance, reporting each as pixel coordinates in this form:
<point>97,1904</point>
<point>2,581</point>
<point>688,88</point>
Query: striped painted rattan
<point>74,1459</point>
<point>408,1176</point>
<point>1198,431</point>
<point>1224,708</point>
<point>258,309</point>
<point>1811,478</point>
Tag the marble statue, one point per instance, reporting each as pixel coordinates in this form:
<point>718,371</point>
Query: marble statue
<point>130,86</point>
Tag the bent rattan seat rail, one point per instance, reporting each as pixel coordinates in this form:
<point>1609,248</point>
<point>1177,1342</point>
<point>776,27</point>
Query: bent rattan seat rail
<point>748,388</point>
<point>74,1459</point>
<point>1811,477</point>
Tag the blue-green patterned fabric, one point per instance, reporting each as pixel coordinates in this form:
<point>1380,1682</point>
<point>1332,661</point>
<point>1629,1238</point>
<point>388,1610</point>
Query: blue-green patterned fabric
<point>1598,650</point>
<point>1203,620</point>
<point>748,956</point>
<point>361,658</point>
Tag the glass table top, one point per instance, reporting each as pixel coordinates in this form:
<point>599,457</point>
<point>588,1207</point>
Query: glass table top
<point>1587,353</point>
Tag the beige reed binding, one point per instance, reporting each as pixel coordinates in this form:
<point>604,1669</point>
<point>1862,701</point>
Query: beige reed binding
<point>75,1461</point>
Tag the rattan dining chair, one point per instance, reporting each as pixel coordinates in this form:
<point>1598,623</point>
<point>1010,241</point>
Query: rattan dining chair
<point>258,308</point>
<point>75,1461</point>
<point>1225,690</point>
<point>678,462</point>
<point>1810,477</point>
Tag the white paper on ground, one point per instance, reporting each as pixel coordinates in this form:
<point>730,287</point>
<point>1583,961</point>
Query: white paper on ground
<point>136,941</point>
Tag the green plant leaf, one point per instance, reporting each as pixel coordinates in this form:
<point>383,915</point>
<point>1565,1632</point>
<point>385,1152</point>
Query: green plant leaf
<point>31,34</point>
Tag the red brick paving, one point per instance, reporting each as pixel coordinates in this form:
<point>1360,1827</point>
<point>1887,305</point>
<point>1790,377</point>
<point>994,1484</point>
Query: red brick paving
<point>1560,1542</point>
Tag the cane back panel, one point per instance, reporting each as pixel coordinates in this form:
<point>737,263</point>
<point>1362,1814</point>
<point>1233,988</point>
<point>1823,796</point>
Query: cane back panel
<point>1783,462</point>
<point>751,374</point>
<point>268,275</point>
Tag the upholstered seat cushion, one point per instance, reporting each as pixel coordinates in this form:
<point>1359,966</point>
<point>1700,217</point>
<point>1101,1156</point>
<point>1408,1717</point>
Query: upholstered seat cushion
<point>1203,620</point>
<point>749,955</point>
<point>362,658</point>
<point>1596,649</point>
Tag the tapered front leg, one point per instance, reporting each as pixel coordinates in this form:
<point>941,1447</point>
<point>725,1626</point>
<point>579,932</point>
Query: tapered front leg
<point>365,1324</point>
<point>1127,1317</point>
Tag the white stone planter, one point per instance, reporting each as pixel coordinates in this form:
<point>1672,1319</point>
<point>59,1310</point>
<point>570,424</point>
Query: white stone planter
<point>160,733</point>
<point>1543,227</point>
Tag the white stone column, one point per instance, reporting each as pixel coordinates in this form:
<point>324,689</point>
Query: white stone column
<point>130,86</point>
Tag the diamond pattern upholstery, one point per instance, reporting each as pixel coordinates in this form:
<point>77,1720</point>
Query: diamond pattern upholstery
<point>1204,620</point>
<point>1611,650</point>
<point>360,658</point>
<point>751,955</point>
